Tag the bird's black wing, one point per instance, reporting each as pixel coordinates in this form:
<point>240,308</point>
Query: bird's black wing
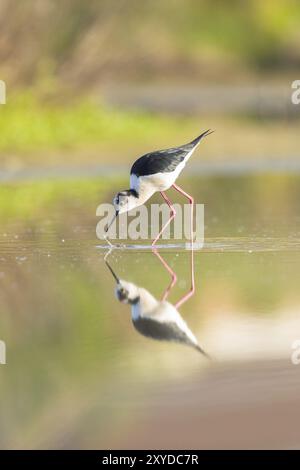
<point>164,161</point>
<point>164,332</point>
<point>161,161</point>
<point>161,331</point>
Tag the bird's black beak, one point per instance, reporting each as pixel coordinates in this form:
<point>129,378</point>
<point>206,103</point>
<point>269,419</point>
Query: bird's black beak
<point>109,225</point>
<point>112,271</point>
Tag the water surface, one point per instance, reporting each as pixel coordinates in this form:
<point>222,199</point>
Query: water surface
<point>80,375</point>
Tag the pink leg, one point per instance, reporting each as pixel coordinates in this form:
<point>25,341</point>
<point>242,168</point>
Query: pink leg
<point>192,289</point>
<point>173,214</point>
<point>170,270</point>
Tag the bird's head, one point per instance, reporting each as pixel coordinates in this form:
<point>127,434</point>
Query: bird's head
<point>124,201</point>
<point>126,292</point>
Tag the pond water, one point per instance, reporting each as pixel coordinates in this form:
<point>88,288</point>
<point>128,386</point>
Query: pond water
<point>82,372</point>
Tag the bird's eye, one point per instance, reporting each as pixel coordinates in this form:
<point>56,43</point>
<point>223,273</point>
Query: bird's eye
<point>122,294</point>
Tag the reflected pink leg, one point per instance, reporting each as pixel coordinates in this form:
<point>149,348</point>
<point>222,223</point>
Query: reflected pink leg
<point>170,270</point>
<point>192,289</point>
<point>173,213</point>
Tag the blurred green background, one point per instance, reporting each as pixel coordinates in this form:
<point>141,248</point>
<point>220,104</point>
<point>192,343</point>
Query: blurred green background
<point>101,81</point>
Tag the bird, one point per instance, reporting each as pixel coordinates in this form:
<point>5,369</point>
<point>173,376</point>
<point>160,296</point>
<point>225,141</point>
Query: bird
<point>152,318</point>
<point>156,172</point>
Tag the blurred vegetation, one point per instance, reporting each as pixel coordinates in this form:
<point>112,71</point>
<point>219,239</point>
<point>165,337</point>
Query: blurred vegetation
<point>56,57</point>
<point>37,129</point>
<point>84,43</point>
<point>31,123</point>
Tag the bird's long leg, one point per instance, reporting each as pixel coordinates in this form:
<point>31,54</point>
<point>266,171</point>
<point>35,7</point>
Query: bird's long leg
<point>191,201</point>
<point>172,215</point>
<point>192,288</point>
<point>170,271</point>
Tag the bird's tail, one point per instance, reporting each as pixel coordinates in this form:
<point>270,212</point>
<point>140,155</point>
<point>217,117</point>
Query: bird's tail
<point>189,148</point>
<point>196,141</point>
<point>196,346</point>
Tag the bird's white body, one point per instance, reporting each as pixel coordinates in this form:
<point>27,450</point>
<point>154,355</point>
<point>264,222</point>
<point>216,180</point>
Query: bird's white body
<point>147,185</point>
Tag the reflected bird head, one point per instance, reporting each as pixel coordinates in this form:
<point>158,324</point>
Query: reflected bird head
<point>126,292</point>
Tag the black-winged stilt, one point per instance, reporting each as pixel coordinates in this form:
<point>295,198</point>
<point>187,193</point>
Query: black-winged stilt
<point>156,319</point>
<point>156,172</point>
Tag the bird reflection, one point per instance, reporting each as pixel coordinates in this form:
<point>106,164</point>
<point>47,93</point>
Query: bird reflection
<point>157,319</point>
